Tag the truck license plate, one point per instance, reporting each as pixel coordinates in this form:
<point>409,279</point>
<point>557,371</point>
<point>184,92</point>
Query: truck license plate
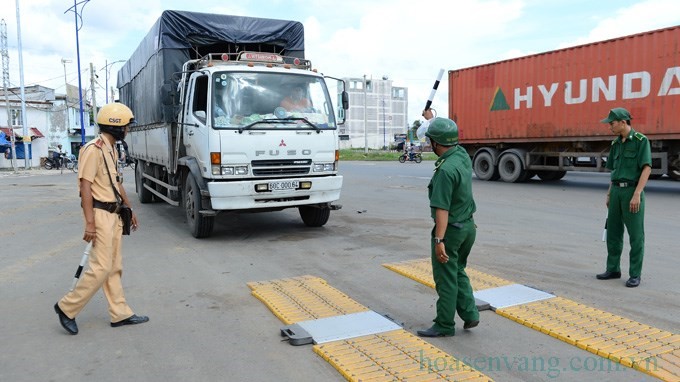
<point>284,185</point>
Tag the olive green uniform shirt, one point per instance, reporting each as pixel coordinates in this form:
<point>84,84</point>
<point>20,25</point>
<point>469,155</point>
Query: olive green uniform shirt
<point>451,186</point>
<point>627,159</point>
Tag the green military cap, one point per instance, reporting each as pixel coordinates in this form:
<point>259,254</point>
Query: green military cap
<point>617,114</point>
<point>443,131</point>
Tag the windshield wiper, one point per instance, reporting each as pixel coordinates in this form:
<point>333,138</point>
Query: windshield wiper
<point>273,121</point>
<point>270,121</point>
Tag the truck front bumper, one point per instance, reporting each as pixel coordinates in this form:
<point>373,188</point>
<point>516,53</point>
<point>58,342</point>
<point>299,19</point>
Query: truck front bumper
<point>241,195</point>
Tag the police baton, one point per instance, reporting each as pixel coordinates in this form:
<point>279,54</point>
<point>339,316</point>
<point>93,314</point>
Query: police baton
<point>604,232</point>
<point>83,261</point>
<point>434,89</point>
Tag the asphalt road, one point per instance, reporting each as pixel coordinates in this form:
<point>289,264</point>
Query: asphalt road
<point>205,325</point>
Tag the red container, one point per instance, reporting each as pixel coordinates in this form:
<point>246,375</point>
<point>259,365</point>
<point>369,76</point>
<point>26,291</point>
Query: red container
<point>562,95</point>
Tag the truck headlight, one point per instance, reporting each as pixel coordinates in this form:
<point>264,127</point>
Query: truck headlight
<point>227,171</point>
<point>321,167</point>
<point>241,170</point>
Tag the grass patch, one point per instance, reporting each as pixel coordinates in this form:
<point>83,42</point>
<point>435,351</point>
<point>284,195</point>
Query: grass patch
<point>377,155</point>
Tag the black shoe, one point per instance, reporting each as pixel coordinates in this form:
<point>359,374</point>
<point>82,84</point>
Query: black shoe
<point>132,320</point>
<point>67,323</point>
<point>470,324</point>
<point>609,275</point>
<point>432,332</point>
<point>633,282</point>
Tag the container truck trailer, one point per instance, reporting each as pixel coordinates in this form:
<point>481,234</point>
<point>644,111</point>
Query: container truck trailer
<point>212,133</point>
<point>540,114</point>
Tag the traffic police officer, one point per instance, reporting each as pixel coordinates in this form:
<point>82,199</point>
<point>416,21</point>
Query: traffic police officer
<point>97,175</point>
<point>452,206</point>
<point>630,162</point>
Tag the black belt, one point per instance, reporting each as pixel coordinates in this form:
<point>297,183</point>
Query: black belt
<point>624,184</point>
<point>111,207</point>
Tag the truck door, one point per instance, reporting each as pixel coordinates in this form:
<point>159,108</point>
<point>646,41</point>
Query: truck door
<point>195,121</point>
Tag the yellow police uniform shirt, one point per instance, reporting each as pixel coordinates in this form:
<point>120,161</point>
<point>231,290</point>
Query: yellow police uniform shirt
<point>91,167</point>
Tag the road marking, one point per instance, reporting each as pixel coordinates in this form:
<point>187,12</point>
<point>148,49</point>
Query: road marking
<point>650,350</point>
<point>389,356</point>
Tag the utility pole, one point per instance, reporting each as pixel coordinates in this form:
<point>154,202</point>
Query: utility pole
<point>68,112</point>
<point>365,119</point>
<point>94,98</point>
<point>5,84</point>
<point>23,98</point>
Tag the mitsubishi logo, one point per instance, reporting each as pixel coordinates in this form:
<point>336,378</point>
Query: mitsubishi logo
<point>282,143</point>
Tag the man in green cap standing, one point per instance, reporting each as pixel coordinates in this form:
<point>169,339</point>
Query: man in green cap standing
<point>454,232</point>
<point>630,163</point>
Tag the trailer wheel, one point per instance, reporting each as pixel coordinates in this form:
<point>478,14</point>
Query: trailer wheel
<point>145,196</point>
<point>199,225</point>
<point>510,168</point>
<point>674,168</point>
<point>484,168</point>
<point>314,216</point>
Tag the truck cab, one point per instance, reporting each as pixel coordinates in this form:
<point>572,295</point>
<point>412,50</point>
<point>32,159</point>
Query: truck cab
<point>254,132</point>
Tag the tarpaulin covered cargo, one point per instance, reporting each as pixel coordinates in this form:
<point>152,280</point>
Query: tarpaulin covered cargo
<point>562,95</point>
<point>178,36</point>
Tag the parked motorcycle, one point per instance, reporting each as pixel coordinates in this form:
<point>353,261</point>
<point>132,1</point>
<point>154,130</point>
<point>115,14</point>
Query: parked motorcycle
<point>405,157</point>
<point>69,162</point>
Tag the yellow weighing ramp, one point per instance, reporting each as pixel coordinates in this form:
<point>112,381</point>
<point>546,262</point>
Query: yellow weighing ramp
<point>395,355</point>
<point>652,351</point>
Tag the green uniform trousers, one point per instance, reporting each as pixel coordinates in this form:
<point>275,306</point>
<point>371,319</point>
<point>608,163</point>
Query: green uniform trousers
<point>618,216</point>
<point>451,282</point>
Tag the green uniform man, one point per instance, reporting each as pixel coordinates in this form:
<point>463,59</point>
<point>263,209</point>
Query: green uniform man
<point>452,206</point>
<point>630,161</point>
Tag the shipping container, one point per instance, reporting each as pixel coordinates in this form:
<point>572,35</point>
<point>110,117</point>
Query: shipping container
<point>540,114</point>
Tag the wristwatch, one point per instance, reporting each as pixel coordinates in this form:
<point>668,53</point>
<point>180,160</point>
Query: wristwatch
<point>438,240</point>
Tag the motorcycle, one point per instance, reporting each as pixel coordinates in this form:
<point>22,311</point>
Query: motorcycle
<point>405,157</point>
<point>67,161</point>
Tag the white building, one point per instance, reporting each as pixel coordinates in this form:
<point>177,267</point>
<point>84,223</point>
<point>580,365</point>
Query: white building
<point>51,120</point>
<point>386,108</point>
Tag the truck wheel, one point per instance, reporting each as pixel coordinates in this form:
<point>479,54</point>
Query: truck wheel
<point>674,168</point>
<point>314,216</point>
<point>510,168</point>
<point>484,168</point>
<point>199,225</point>
<point>145,196</point>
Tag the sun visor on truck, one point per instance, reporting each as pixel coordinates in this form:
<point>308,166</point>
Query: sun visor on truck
<point>174,39</point>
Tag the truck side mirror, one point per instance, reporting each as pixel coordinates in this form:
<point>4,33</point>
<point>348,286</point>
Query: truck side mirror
<point>345,100</point>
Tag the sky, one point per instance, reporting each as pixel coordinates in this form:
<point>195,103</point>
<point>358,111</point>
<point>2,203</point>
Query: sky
<point>408,41</point>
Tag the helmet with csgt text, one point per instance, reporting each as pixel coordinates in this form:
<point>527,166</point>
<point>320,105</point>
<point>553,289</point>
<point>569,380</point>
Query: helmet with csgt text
<point>115,115</point>
<point>443,131</point>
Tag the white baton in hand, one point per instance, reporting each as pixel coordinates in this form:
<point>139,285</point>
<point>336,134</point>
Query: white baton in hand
<point>83,261</point>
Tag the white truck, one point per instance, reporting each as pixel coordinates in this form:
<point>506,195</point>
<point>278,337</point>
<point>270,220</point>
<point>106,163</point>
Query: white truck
<point>218,127</point>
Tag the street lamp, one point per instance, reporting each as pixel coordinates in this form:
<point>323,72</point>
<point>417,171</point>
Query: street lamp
<point>79,15</point>
<point>107,67</point>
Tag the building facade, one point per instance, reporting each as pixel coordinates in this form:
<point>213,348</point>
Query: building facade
<point>51,120</point>
<point>377,112</point>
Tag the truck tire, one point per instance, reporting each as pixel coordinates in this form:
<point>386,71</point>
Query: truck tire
<point>674,168</point>
<point>199,225</point>
<point>484,167</point>
<point>314,216</point>
<point>510,168</point>
<point>145,196</point>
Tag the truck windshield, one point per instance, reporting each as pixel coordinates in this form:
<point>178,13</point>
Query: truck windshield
<point>253,100</point>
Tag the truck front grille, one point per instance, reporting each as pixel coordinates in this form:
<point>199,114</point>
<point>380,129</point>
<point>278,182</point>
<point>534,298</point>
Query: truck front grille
<point>278,167</point>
